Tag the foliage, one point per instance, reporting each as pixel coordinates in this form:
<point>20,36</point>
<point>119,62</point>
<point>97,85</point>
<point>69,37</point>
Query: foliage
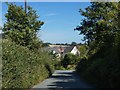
<point>83,50</point>
<point>24,63</point>
<point>21,26</point>
<point>35,45</point>
<point>69,59</point>
<point>99,25</point>
<point>101,69</point>
<point>46,44</point>
<point>73,43</point>
<point>23,68</point>
<point>0,27</point>
<point>102,31</point>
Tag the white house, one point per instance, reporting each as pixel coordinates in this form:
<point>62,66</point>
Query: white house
<point>71,49</point>
<point>63,50</point>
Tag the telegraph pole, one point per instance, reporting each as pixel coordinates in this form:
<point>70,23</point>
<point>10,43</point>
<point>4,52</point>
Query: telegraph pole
<point>25,6</point>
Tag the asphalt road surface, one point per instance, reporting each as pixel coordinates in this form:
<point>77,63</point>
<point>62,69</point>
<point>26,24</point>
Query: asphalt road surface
<point>63,79</point>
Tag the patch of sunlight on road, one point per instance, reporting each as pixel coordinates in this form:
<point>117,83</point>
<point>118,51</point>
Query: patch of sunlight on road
<point>63,79</point>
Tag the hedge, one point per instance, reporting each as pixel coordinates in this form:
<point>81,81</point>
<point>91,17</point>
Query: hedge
<point>23,68</point>
<point>101,69</point>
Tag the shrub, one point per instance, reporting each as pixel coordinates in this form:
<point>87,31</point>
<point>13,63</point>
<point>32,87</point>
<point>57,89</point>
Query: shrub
<point>102,68</point>
<point>69,59</point>
<point>23,68</point>
<point>83,50</point>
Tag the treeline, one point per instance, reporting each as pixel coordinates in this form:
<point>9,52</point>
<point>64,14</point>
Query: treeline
<point>101,28</point>
<point>69,44</point>
<point>24,64</point>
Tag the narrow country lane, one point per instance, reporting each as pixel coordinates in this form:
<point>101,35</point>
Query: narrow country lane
<point>63,79</point>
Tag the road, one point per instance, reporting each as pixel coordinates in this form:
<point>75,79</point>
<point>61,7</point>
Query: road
<point>63,79</point>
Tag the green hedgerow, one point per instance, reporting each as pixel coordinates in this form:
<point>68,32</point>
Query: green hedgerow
<point>23,68</point>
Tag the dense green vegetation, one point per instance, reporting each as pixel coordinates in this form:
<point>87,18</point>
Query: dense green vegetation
<point>24,63</point>
<point>68,62</point>
<point>83,50</point>
<point>102,32</point>
<point>22,68</point>
<point>21,26</point>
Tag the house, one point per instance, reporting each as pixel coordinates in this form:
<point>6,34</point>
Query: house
<point>72,49</point>
<point>53,50</point>
<point>62,50</point>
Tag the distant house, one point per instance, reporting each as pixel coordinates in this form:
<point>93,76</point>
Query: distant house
<point>62,50</point>
<point>72,49</point>
<point>53,50</point>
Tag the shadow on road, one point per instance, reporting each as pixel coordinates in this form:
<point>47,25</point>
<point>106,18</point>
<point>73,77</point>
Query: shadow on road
<point>67,79</point>
<point>63,79</point>
<point>60,76</point>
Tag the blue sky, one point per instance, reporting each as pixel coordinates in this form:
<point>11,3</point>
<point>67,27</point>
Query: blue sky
<point>60,20</point>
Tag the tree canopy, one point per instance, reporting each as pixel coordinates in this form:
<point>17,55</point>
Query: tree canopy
<point>21,26</point>
<point>100,24</point>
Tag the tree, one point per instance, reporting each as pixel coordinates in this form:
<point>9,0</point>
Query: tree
<point>100,23</point>
<point>66,44</point>
<point>102,31</point>
<point>83,50</point>
<point>69,59</point>
<point>21,26</point>
<point>46,44</point>
<point>73,43</point>
<point>0,27</point>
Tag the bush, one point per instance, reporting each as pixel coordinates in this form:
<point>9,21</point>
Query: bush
<point>69,59</point>
<point>23,68</point>
<point>102,68</point>
<point>82,64</point>
<point>83,50</point>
